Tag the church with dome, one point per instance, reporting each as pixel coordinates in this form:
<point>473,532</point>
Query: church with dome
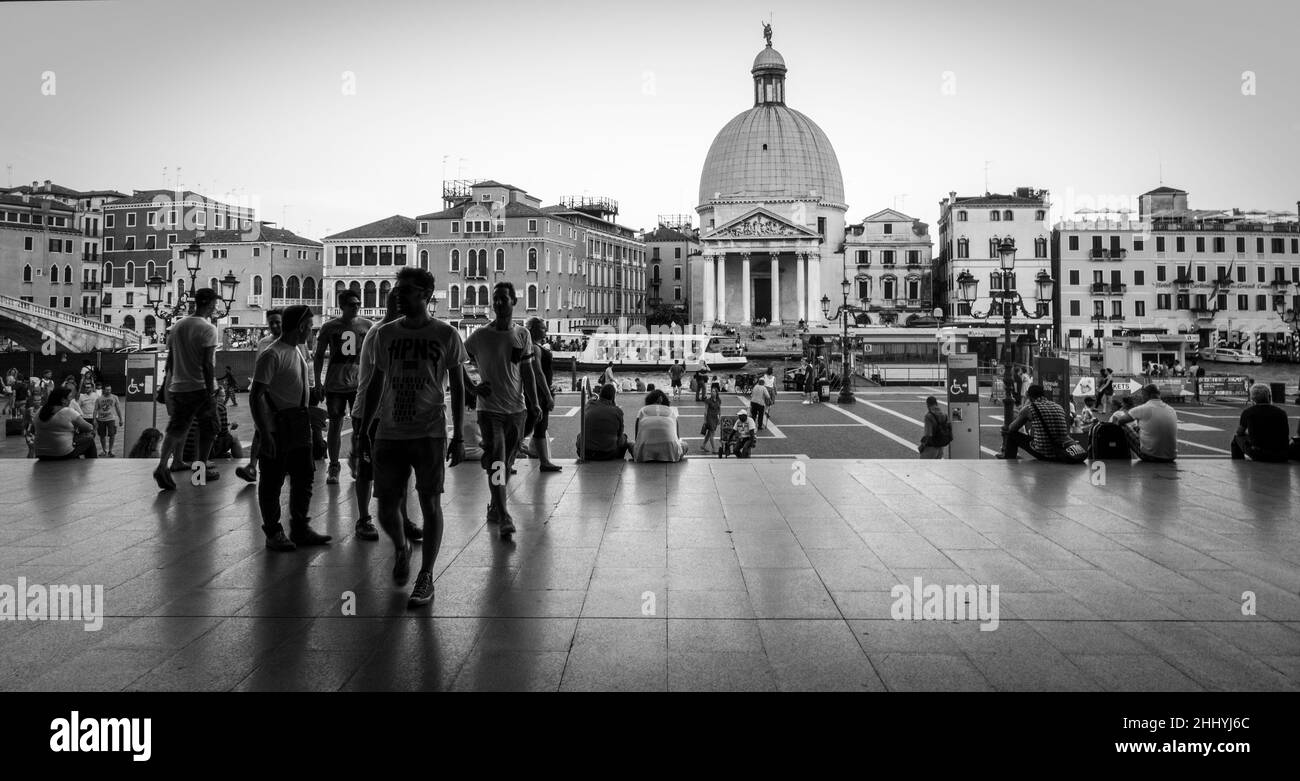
<point>771,211</point>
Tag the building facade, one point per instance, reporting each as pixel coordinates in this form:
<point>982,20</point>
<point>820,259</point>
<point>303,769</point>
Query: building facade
<point>771,210</point>
<point>366,259</point>
<point>888,258</point>
<point>970,230</point>
<point>612,261</point>
<point>1214,276</point>
<point>670,248</point>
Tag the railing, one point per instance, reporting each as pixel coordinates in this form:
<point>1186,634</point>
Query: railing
<point>9,302</point>
<point>280,303</point>
<point>1117,318</point>
<point>1107,254</point>
<point>914,303</point>
<point>1104,288</point>
<point>474,310</point>
<point>87,284</point>
<point>255,299</point>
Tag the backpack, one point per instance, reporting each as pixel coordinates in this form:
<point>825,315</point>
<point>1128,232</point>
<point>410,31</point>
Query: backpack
<point>942,432</point>
<point>1109,442</point>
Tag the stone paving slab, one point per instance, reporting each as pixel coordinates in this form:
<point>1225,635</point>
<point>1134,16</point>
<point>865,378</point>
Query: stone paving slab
<point>757,575</point>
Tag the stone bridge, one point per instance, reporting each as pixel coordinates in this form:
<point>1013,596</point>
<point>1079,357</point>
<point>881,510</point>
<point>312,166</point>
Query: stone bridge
<point>33,326</point>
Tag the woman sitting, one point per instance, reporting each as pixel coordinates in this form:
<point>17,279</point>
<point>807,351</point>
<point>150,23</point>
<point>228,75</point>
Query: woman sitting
<point>656,431</point>
<point>61,433</point>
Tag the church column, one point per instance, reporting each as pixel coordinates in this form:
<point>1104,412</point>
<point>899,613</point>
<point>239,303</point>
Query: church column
<point>746,311</point>
<point>776,287</point>
<point>722,288</point>
<point>710,297</point>
<point>815,287</point>
<point>801,285</point>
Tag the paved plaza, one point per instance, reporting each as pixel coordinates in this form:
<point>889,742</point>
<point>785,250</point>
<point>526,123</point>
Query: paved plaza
<point>768,574</point>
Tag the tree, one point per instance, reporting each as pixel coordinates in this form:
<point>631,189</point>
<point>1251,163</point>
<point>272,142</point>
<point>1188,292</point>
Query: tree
<point>665,314</point>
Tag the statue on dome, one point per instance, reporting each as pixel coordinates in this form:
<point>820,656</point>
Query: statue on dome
<point>767,33</point>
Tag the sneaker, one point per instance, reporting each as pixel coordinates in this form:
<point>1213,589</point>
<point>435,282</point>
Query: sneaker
<point>422,594</point>
<point>333,478</point>
<point>110,454</point>
<point>164,479</point>
<point>366,530</point>
<point>303,534</point>
<point>402,569</point>
<point>507,526</point>
<point>551,467</point>
<point>492,515</point>
<point>413,533</point>
<point>280,543</point>
<point>247,473</point>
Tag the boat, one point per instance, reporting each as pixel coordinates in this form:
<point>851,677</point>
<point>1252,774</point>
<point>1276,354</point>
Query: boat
<point>647,351</point>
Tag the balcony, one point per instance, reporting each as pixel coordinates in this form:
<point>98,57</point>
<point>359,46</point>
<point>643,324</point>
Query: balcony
<point>890,303</point>
<point>914,263</point>
<point>1223,282</point>
<point>1106,289</point>
<point>474,310</point>
<point>89,284</point>
<point>1107,254</point>
<point>1203,313</point>
<point>280,303</point>
<point>255,300</point>
<point>1116,318</point>
<point>914,303</point>
<point>1279,284</point>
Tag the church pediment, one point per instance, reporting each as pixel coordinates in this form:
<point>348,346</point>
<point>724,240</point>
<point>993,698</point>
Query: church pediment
<point>761,224</point>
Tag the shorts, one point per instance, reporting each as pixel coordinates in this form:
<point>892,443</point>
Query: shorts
<point>501,433</point>
<point>188,405</point>
<point>395,458</point>
<point>677,383</point>
<point>342,401</point>
<point>106,428</point>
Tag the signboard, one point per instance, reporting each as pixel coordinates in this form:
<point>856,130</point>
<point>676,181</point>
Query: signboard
<point>1224,386</point>
<point>964,405</point>
<point>140,412</point>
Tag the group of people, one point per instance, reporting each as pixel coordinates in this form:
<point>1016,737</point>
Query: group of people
<point>78,418</point>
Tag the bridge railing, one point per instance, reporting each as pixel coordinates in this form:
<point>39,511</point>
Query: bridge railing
<point>76,321</point>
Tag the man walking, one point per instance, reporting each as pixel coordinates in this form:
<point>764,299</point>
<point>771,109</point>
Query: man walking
<point>273,325</point>
<point>675,373</point>
<point>509,390</point>
<point>412,359</point>
<point>342,337</point>
<point>279,401</point>
<point>107,410</point>
<point>189,381</point>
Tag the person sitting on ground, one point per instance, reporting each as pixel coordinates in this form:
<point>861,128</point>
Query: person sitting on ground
<point>602,425</point>
<point>1126,404</point>
<point>1264,433</point>
<point>1151,427</point>
<point>147,445</point>
<point>657,438</point>
<point>1050,429</point>
<point>744,435</point>
<point>61,433</point>
<point>225,443</point>
<point>640,385</point>
<point>1088,417</point>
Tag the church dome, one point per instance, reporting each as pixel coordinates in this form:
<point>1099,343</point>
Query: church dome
<point>771,150</point>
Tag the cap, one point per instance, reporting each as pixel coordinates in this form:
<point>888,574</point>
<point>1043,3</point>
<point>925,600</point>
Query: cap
<point>742,414</point>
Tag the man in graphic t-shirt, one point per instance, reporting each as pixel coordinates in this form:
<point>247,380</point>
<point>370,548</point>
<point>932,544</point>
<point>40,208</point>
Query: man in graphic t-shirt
<point>413,358</point>
<point>342,337</point>
<point>509,390</point>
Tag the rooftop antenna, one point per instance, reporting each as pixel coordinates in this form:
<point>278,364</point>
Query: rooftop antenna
<point>10,169</point>
<point>1161,163</point>
<point>986,176</point>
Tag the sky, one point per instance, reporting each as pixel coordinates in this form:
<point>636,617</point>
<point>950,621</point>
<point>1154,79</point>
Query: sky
<point>328,115</point>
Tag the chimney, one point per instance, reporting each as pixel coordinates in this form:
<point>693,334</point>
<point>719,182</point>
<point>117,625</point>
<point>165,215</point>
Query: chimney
<point>47,185</point>
<point>36,185</point>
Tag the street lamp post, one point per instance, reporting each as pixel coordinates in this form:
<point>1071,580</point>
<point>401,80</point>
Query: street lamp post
<point>842,313</point>
<point>155,284</point>
<point>1010,302</point>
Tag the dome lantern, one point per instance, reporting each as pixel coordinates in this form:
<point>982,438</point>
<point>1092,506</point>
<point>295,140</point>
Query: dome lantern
<point>769,74</point>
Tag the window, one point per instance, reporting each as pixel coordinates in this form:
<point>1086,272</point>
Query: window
<point>499,260</point>
<point>963,248</point>
<point>501,226</point>
<point>67,275</point>
<point>993,248</point>
<point>1221,302</point>
<point>110,220</point>
<point>1259,246</point>
<point>1219,244</point>
<point>1040,215</point>
<point>887,257</point>
<point>914,257</point>
<point>28,243</point>
<point>677,253</point>
<point>1200,273</point>
<point>257,285</point>
<point>1074,309</point>
<point>889,228</point>
<point>424,227</point>
<point>151,241</point>
<point>1074,276</point>
<point>1139,309</point>
<point>1200,243</point>
<point>532,296</point>
<point>200,219</point>
<point>455,226</point>
<point>1259,271</point>
<point>385,256</point>
<point>453,297</point>
<point>1098,308</point>
<point>130,298</point>
<point>1261,303</point>
<point>1160,243</point>
<point>677,273</point>
<point>369,296</point>
<point>548,257</point>
<point>1008,216</point>
<point>532,227</point>
<point>1073,243</point>
<point>995,281</point>
<point>1180,244</point>
<point>961,216</point>
<point>1138,244</point>
<point>27,273</point>
<point>677,294</point>
<point>532,262</point>
<point>1098,277</point>
<point>371,255</point>
<point>130,219</point>
<point>108,243</point>
<point>1040,247</point>
<point>1160,273</point>
<point>995,216</point>
<point>1139,278</point>
<point>1243,302</point>
<point>277,287</point>
<point>1278,246</point>
<point>454,263</point>
<point>1163,301</point>
<point>424,259</point>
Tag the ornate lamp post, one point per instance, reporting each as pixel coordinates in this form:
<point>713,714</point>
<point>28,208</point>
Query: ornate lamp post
<point>1010,302</point>
<point>842,313</point>
<point>184,303</point>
